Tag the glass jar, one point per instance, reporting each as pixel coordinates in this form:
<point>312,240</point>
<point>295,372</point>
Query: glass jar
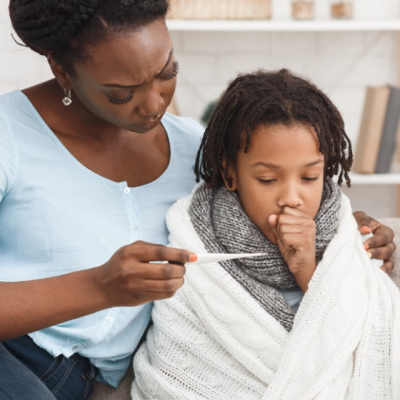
<point>342,9</point>
<point>302,9</point>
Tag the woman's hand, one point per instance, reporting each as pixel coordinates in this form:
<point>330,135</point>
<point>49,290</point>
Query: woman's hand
<point>129,279</point>
<point>295,234</point>
<point>381,245</point>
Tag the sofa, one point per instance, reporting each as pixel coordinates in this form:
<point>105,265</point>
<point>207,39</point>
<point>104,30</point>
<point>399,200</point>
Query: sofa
<point>104,392</point>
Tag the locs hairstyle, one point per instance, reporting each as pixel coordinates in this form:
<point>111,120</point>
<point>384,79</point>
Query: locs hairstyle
<point>65,29</point>
<point>268,98</point>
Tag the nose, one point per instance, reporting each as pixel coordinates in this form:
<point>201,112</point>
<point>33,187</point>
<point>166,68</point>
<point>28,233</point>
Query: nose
<point>290,196</point>
<point>151,103</point>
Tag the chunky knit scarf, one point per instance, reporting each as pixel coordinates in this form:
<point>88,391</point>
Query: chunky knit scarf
<point>224,227</point>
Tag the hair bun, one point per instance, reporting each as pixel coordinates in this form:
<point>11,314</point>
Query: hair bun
<point>47,25</point>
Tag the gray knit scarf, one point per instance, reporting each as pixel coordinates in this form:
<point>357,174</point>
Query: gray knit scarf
<point>224,227</point>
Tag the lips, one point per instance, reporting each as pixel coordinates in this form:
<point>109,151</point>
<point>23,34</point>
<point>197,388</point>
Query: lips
<point>153,123</point>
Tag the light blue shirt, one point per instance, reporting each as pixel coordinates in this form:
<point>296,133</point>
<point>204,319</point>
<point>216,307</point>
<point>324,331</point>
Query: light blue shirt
<point>57,216</point>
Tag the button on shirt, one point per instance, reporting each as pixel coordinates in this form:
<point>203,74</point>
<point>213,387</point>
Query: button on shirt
<point>57,216</point>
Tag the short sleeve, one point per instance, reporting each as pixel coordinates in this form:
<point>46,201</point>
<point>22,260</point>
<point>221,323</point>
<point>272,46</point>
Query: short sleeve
<point>8,155</point>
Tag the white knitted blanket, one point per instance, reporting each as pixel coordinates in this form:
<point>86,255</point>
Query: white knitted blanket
<point>212,340</point>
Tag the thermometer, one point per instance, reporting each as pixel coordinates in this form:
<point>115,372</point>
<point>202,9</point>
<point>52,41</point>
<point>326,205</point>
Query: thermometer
<point>216,257</point>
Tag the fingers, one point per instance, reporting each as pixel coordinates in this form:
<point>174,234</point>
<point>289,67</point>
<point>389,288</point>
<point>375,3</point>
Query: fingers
<point>294,230</point>
<point>381,243</point>
<point>143,282</point>
<point>143,251</point>
<point>162,271</point>
<point>153,290</point>
<point>296,241</point>
<point>289,223</point>
<point>382,232</point>
<point>388,266</point>
<point>382,253</point>
<point>272,220</point>
<point>136,270</point>
<point>164,287</point>
<point>363,222</point>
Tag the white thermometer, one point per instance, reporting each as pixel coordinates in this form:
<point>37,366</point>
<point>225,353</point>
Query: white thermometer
<point>216,257</point>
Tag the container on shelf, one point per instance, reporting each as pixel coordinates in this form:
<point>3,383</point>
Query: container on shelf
<point>303,9</point>
<point>221,9</point>
<point>342,9</point>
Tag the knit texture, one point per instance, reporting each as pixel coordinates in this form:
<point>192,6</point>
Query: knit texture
<point>224,227</point>
<point>213,340</point>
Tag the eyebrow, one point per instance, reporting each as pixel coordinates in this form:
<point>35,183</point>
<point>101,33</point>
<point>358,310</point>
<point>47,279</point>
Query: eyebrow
<point>274,166</point>
<point>117,85</point>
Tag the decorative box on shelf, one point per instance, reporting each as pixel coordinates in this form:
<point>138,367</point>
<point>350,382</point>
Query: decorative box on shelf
<point>221,9</point>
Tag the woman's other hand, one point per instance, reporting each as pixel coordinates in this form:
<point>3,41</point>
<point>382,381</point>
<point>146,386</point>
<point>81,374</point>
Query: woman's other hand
<point>142,272</point>
<point>381,245</point>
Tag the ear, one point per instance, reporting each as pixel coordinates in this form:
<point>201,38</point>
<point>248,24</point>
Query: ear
<point>62,77</point>
<point>229,176</point>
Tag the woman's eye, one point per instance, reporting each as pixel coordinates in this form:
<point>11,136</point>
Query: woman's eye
<point>125,100</point>
<point>175,70</point>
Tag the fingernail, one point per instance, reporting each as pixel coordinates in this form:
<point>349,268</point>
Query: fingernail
<point>366,246</point>
<point>365,229</point>
<point>192,257</point>
<point>369,254</point>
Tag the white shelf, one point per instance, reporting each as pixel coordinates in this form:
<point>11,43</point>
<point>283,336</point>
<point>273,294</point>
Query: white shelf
<point>283,26</point>
<point>374,179</point>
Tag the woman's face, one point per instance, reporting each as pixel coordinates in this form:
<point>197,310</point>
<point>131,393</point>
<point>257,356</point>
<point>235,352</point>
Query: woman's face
<point>283,168</point>
<point>129,80</point>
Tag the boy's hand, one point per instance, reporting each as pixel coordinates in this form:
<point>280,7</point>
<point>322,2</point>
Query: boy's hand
<point>295,234</point>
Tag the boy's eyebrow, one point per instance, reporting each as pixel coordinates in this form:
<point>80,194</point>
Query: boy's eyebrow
<point>117,85</point>
<point>266,165</point>
<point>274,166</point>
<point>311,164</point>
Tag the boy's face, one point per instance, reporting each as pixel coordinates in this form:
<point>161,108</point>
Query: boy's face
<point>283,168</point>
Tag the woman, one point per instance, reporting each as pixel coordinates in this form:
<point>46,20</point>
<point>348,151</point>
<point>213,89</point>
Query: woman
<point>90,163</point>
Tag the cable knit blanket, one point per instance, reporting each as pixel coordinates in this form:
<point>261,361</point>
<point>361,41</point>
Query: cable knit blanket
<point>212,340</point>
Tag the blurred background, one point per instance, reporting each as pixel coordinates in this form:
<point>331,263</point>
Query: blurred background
<point>342,56</point>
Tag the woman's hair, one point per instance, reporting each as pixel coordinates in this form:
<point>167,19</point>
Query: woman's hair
<point>268,98</point>
<point>65,29</point>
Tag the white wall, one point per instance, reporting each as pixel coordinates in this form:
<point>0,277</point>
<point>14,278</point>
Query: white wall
<point>341,63</point>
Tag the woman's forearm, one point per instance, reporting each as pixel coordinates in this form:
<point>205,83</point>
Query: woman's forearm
<point>126,279</point>
<point>32,305</point>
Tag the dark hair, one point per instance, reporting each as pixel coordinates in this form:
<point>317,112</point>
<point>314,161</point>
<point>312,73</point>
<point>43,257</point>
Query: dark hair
<point>267,98</point>
<point>65,28</point>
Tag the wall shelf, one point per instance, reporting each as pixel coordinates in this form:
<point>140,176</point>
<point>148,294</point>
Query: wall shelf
<point>284,25</point>
<point>317,25</point>
<point>375,179</point>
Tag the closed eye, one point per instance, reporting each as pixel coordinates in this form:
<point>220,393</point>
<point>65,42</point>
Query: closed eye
<point>310,179</point>
<point>173,74</point>
<point>125,100</point>
<point>266,181</point>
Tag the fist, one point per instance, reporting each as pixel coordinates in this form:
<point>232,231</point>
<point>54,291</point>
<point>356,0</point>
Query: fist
<point>295,234</point>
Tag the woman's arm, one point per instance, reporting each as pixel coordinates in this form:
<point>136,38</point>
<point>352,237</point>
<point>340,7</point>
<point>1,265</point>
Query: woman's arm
<point>381,245</point>
<point>127,279</point>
